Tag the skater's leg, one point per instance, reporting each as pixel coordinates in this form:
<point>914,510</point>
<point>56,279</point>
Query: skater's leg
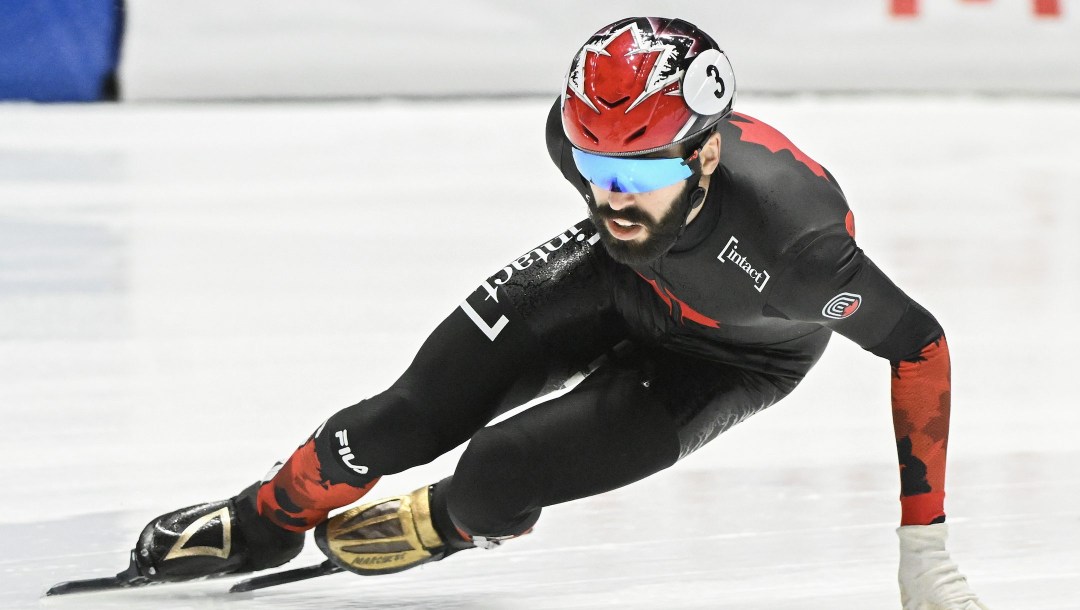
<point>627,421</point>
<point>435,406</point>
<point>634,416</point>
<point>524,330</point>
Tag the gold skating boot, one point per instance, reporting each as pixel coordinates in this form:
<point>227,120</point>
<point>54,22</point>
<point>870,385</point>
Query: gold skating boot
<point>384,536</point>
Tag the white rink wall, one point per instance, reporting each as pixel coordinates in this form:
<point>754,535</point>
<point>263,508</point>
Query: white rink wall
<point>205,49</point>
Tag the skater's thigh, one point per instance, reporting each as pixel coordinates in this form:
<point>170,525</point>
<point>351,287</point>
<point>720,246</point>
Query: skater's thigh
<point>637,414</point>
<point>458,383</point>
<point>520,334</point>
<point>706,398</point>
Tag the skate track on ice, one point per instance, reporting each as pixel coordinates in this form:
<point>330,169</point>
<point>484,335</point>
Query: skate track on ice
<point>187,291</point>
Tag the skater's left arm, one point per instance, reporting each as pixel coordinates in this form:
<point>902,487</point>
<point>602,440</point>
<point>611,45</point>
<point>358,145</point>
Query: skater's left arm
<point>834,283</point>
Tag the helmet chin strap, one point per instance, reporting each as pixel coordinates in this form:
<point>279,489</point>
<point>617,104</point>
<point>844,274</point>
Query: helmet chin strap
<point>693,195</point>
<point>691,199</point>
<point>696,197</point>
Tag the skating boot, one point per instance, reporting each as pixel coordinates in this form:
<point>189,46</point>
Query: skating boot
<point>388,535</point>
<point>224,537</point>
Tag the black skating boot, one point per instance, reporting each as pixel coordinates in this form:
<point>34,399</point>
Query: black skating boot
<point>224,537</point>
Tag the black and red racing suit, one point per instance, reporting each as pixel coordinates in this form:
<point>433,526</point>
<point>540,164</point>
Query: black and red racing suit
<point>672,354</point>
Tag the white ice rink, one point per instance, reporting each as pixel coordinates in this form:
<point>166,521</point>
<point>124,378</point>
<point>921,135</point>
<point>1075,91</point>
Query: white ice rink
<point>187,291</point>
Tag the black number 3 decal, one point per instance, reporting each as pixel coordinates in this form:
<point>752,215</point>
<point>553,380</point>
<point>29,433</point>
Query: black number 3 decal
<point>715,73</point>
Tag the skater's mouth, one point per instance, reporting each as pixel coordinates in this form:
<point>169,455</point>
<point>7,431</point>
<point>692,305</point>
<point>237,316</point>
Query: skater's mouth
<point>623,229</point>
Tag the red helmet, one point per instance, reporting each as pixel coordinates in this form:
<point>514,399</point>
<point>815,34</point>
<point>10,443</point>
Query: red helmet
<point>645,83</point>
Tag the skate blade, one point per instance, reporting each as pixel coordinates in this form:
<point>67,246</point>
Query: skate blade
<point>90,585</point>
<point>284,577</point>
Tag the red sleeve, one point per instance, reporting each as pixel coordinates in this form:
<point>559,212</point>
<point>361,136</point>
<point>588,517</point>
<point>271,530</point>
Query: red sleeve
<point>299,497</point>
<point>921,396</point>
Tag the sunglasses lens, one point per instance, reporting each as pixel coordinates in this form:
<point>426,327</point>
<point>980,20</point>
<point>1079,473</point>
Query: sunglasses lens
<point>628,174</point>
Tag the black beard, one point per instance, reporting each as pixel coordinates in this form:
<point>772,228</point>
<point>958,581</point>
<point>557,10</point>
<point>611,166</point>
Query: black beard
<point>662,234</point>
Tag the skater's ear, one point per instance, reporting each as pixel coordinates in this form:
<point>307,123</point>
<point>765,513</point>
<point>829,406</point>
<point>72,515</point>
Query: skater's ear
<point>710,154</point>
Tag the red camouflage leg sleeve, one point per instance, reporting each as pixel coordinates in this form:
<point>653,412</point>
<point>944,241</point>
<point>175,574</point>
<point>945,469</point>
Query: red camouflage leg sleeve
<point>299,497</point>
<point>921,398</point>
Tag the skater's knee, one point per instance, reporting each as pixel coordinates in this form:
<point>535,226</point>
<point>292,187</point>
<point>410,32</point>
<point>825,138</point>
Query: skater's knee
<point>495,485</point>
<point>384,434</point>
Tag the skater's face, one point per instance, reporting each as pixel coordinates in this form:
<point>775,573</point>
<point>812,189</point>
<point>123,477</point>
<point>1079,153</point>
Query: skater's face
<point>638,227</point>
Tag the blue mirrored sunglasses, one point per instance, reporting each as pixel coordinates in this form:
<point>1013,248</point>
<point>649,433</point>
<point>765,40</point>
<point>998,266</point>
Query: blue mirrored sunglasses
<point>633,174</point>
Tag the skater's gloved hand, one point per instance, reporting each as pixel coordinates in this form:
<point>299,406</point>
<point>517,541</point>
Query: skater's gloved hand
<point>929,580</point>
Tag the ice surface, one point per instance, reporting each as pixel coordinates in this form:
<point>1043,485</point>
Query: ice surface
<point>187,291</point>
